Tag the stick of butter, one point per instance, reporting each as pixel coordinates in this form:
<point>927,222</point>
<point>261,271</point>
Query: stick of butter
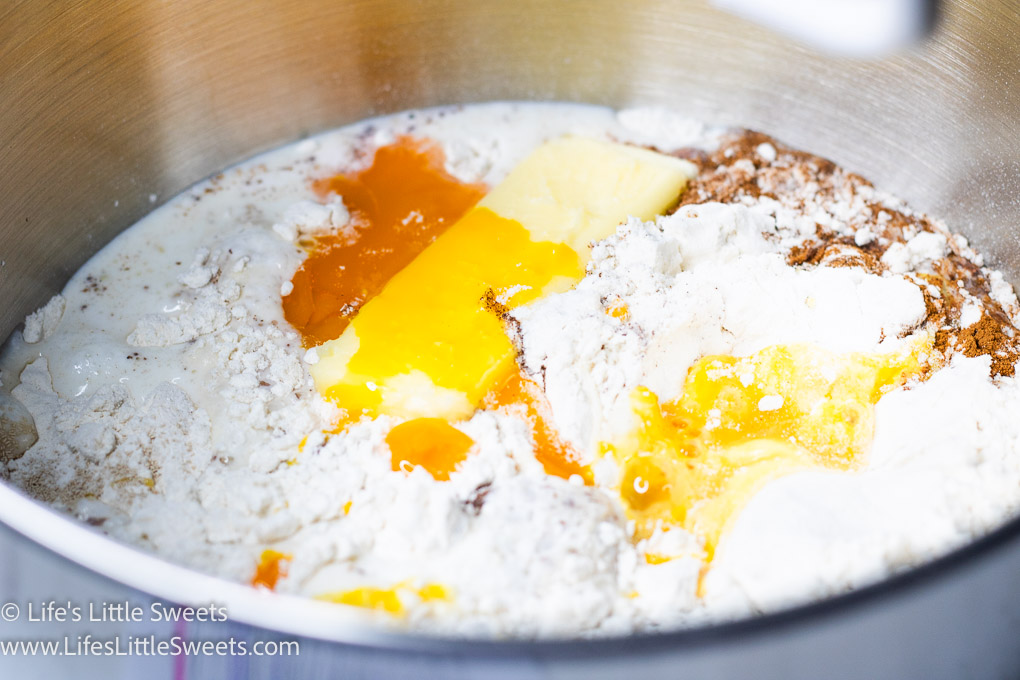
<point>432,343</point>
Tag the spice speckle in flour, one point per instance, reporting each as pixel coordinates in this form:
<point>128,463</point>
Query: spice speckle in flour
<point>530,370</point>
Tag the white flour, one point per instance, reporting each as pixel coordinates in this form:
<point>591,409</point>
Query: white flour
<point>928,487</point>
<point>701,281</point>
<point>41,323</point>
<point>174,407</point>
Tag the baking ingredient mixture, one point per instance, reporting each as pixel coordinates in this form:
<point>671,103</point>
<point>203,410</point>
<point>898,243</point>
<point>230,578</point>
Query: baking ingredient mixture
<point>528,370</point>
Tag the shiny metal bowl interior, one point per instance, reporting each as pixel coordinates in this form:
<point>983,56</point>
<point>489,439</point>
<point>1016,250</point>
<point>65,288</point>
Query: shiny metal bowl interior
<point>110,101</point>
<point>107,102</point>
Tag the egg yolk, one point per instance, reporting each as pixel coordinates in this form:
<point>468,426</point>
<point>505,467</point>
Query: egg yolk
<point>432,343</point>
<point>522,396</point>
<point>382,599</point>
<point>398,205</point>
<point>408,314</point>
<point>387,599</point>
<point>742,421</point>
<point>618,311</point>
<point>438,447</point>
<point>429,443</point>
<point>271,567</point>
<point>436,332</point>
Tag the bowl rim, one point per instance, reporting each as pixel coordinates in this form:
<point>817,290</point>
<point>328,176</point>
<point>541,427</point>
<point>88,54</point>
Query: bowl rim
<point>154,577</point>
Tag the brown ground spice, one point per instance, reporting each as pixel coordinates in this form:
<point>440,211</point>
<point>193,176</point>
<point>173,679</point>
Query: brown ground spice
<point>737,173</point>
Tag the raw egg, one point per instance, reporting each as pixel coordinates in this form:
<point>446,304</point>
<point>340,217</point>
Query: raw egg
<point>429,443</point>
<point>399,205</point>
<point>432,343</point>
<point>271,567</point>
<point>523,397</point>
<point>742,421</point>
<point>389,600</point>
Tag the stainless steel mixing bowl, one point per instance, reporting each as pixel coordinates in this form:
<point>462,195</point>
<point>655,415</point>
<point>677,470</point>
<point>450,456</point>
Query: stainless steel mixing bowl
<point>108,101</point>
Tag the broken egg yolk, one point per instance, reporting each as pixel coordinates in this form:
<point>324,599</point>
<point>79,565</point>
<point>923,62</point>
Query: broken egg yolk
<point>271,567</point>
<point>742,421</point>
<point>429,443</point>
<point>408,315</point>
<point>432,343</point>
<point>398,205</point>
<point>389,600</point>
<point>439,448</point>
<point>380,599</point>
<point>523,397</point>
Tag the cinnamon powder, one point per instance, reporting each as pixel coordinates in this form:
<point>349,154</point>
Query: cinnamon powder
<point>738,173</point>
